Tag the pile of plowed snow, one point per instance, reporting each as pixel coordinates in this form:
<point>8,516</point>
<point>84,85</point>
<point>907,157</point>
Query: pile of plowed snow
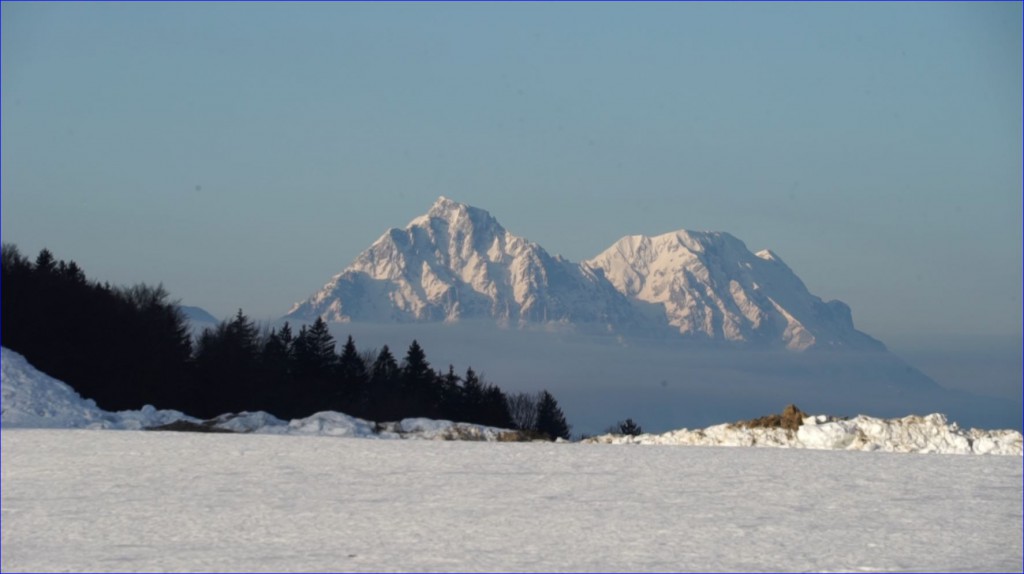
<point>931,433</point>
<point>33,399</point>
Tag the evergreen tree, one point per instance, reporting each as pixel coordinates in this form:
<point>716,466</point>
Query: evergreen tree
<point>123,348</point>
<point>494,409</point>
<point>228,363</point>
<point>314,369</point>
<point>472,396</point>
<point>45,264</point>
<point>629,427</point>
<point>550,419</point>
<point>383,391</point>
<point>420,396</point>
<point>313,351</point>
<point>275,376</point>
<point>353,378</point>
<point>450,393</point>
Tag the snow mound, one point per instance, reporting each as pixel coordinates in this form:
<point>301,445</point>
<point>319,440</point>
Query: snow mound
<point>910,434</point>
<point>330,423</point>
<point>430,429</point>
<point>33,399</point>
<point>245,422</point>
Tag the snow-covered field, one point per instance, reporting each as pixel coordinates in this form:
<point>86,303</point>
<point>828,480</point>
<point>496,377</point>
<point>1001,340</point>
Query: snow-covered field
<point>86,500</point>
<point>313,495</point>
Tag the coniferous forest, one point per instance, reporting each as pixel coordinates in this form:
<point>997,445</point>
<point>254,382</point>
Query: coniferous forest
<point>129,347</point>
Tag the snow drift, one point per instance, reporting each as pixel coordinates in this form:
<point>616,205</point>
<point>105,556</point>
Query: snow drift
<point>922,434</point>
<point>32,399</point>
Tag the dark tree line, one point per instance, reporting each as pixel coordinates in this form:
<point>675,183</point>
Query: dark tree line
<point>125,348</point>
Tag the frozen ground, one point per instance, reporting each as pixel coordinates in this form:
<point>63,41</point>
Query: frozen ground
<point>84,500</point>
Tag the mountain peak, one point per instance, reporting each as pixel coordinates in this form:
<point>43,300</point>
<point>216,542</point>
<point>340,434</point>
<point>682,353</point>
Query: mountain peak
<point>456,262</point>
<point>455,213</point>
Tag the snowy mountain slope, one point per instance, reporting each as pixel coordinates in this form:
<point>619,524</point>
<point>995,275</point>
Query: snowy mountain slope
<point>712,287</point>
<point>457,262</point>
<point>197,314</point>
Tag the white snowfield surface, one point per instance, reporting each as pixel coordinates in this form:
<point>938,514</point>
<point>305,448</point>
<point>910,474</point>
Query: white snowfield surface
<point>128,501</point>
<point>78,500</point>
<point>32,399</point>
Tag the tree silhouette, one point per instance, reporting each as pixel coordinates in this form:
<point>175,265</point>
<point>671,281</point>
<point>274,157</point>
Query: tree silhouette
<point>629,427</point>
<point>550,419</point>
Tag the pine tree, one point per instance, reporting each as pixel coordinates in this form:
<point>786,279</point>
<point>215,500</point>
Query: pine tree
<point>550,419</point>
<point>228,364</point>
<point>472,397</point>
<point>420,396</point>
<point>383,392</point>
<point>494,408</point>
<point>314,368</point>
<point>629,427</point>
<point>415,368</point>
<point>451,394</point>
<point>353,379</point>
<point>45,263</point>
<point>275,374</point>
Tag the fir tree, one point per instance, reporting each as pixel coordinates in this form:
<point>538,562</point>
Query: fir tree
<point>353,379</point>
<point>629,427</point>
<point>550,419</point>
<point>383,392</point>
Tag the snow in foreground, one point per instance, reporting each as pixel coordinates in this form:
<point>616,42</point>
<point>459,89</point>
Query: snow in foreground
<point>76,500</point>
<point>32,399</point>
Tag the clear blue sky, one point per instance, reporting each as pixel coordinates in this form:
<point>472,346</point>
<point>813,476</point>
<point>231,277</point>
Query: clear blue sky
<point>243,153</point>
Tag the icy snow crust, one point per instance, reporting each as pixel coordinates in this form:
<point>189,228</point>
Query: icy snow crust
<point>32,399</point>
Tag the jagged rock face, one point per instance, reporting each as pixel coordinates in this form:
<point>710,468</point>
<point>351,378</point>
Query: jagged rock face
<point>457,262</point>
<point>712,287</point>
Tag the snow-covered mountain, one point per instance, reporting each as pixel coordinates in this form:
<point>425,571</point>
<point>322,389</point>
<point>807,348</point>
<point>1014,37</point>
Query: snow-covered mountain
<point>711,286</point>
<point>457,263</point>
